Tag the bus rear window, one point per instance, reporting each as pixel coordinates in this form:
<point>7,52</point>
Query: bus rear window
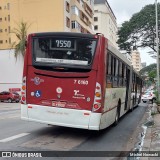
<point>72,51</point>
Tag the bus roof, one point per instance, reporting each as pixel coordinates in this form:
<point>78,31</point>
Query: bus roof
<point>74,34</point>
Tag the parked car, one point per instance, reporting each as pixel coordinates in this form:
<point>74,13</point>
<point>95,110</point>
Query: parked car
<point>148,96</point>
<point>9,96</point>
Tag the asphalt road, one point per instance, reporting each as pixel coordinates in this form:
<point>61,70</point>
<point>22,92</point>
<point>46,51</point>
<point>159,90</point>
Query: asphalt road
<point>18,135</point>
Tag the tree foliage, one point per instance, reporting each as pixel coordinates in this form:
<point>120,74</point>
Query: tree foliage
<point>21,35</point>
<point>139,31</point>
<point>149,73</point>
<point>147,69</point>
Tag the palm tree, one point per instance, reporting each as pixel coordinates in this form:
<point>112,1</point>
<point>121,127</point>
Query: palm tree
<point>21,34</point>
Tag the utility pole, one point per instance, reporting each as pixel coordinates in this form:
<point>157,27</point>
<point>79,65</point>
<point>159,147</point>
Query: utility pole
<point>157,46</point>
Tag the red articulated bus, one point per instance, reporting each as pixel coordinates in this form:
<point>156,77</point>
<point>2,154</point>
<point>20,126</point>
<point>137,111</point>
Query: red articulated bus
<point>76,80</point>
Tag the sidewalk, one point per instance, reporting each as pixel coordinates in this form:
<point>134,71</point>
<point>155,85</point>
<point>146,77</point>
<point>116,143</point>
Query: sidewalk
<point>152,136</point>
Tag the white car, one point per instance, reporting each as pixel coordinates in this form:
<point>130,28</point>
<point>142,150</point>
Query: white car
<point>148,96</point>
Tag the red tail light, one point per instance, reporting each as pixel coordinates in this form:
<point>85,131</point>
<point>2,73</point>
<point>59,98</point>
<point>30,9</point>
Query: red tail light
<point>97,98</point>
<point>23,91</point>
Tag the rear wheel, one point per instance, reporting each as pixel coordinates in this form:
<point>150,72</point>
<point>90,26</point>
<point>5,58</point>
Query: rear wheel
<point>116,118</point>
<point>139,100</point>
<point>117,115</point>
<point>132,105</point>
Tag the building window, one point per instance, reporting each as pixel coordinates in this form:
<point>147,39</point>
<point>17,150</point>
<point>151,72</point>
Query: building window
<point>75,10</point>
<point>92,3</point>
<point>0,8</point>
<point>82,30</point>
<point>5,30</point>
<point>96,27</point>
<point>76,25</point>
<point>1,41</point>
<point>1,30</point>
<point>0,19</point>
<point>95,19</point>
<point>67,22</point>
<point>8,6</point>
<point>9,18</point>
<point>9,29</point>
<point>73,24</point>
<point>9,40</point>
<point>67,7</point>
<point>5,18</point>
<point>82,3</point>
<point>84,18</point>
<point>6,41</point>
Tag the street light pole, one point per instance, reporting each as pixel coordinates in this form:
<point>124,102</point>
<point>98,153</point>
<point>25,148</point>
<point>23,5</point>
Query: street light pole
<point>157,46</point>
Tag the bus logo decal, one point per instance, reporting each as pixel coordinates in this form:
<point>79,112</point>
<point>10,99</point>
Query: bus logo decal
<point>37,80</point>
<point>77,95</point>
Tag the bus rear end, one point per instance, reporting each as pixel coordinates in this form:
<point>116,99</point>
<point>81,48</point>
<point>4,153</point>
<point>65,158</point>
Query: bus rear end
<point>61,82</point>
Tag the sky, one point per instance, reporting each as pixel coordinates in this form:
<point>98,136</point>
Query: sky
<point>123,10</point>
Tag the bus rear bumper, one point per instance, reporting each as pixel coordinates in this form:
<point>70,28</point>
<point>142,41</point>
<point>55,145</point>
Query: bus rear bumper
<point>61,116</point>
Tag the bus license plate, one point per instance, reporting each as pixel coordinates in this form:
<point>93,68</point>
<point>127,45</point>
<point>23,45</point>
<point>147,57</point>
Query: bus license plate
<point>58,104</point>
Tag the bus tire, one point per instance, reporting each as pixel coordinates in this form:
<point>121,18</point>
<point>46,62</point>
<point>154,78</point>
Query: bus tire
<point>133,103</point>
<point>116,119</point>
<point>139,100</point>
<point>117,115</point>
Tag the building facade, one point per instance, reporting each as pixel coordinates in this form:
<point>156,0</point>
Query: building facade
<point>105,21</point>
<point>41,16</point>
<point>144,64</point>
<point>136,60</point>
<point>44,16</point>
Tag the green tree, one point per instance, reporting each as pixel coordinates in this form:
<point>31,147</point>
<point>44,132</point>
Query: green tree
<point>146,70</point>
<point>21,35</point>
<point>139,31</point>
<point>152,75</point>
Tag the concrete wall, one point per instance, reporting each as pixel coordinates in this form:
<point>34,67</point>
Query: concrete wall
<point>10,70</point>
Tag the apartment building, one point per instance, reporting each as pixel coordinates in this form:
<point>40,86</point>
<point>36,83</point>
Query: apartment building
<point>105,21</point>
<point>42,16</point>
<point>45,15</point>
<point>136,60</point>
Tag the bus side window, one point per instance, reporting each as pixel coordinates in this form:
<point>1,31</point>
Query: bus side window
<point>124,75</point>
<point>133,82</point>
<point>109,71</point>
<point>115,74</point>
<point>120,74</point>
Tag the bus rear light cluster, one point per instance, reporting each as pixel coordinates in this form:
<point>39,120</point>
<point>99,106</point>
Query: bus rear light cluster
<point>23,92</point>
<point>97,98</point>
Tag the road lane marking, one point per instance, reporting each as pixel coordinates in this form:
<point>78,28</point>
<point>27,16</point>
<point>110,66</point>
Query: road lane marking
<point>14,137</point>
<point>9,117</point>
